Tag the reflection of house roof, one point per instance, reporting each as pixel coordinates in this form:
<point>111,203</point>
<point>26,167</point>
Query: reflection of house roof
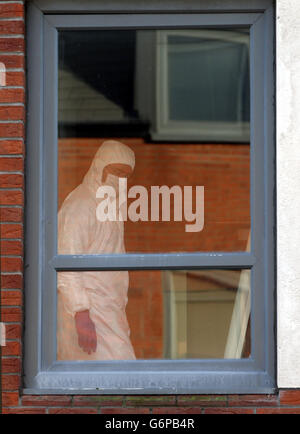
<point>79,102</point>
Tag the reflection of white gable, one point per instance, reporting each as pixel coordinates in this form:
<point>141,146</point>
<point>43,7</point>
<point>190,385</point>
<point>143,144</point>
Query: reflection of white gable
<point>81,103</point>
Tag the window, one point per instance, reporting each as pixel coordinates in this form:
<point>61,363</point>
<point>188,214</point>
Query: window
<point>150,251</point>
<point>195,71</point>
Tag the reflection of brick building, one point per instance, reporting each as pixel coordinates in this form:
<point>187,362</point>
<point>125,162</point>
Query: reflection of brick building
<point>223,170</point>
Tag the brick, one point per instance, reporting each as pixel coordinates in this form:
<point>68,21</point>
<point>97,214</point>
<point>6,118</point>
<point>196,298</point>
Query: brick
<point>47,401</point>
<point>11,180</point>
<point>11,96</point>
<point>278,410</point>
<point>252,400</point>
<point>12,27</point>
<point>122,410</point>
<point>12,164</point>
<point>10,382</point>
<point>11,215</point>
<point>202,400</point>
<point>10,218</point>
<point>12,44</point>
<point>11,349</point>
<point>97,401</point>
<point>73,411</point>
<point>11,298</point>
<point>20,410</point>
<point>16,78</point>
<point>11,130</point>
<point>12,113</point>
<point>13,331</point>
<point>150,400</point>
<point>11,231</point>
<point>11,366</point>
<point>13,60</point>
<point>10,399</point>
<point>11,281</point>
<point>289,397</point>
<point>219,410</point>
<point>11,147</point>
<point>11,247</point>
<point>11,264</point>
<point>177,410</point>
<point>11,10</point>
<point>11,197</point>
<point>11,314</point>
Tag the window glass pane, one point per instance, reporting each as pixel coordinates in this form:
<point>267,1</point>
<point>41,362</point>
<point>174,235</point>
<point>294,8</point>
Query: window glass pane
<point>179,314</point>
<point>208,76</point>
<point>167,112</point>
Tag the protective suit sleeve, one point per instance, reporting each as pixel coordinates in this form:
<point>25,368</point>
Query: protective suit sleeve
<point>73,293</point>
<point>72,233</point>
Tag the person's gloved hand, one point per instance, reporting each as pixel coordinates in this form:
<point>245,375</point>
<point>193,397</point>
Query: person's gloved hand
<point>87,338</point>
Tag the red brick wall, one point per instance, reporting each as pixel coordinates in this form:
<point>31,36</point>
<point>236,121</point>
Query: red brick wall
<point>285,402</point>
<point>223,170</point>
<point>12,111</point>
<point>11,195</point>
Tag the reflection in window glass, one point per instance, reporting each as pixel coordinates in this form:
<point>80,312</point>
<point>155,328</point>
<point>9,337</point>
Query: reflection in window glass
<point>206,66</point>
<point>204,86</point>
<point>153,156</point>
<point>179,314</point>
<point>168,113</point>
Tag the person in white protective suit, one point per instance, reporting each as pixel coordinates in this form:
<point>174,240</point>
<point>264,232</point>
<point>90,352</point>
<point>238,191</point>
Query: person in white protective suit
<point>91,317</point>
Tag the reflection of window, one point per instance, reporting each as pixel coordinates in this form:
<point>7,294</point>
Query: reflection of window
<point>116,104</point>
<point>206,314</point>
<point>202,86</point>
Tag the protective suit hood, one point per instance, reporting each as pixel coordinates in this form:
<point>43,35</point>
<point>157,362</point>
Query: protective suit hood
<point>110,152</point>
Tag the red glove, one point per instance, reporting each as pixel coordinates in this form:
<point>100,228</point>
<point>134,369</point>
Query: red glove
<point>87,338</point>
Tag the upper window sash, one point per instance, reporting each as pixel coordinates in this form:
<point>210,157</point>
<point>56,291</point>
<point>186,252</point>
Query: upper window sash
<point>54,23</point>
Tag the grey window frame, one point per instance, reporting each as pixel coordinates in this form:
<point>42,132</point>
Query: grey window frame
<point>45,375</point>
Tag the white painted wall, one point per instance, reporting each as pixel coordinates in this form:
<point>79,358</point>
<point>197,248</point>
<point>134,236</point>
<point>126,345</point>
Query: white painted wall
<point>288,191</point>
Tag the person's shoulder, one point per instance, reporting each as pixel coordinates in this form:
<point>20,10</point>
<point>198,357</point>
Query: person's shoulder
<point>79,200</point>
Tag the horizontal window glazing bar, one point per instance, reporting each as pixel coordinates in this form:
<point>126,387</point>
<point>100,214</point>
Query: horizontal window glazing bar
<point>152,261</point>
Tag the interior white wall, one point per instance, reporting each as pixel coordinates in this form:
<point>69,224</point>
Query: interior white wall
<point>288,192</point>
